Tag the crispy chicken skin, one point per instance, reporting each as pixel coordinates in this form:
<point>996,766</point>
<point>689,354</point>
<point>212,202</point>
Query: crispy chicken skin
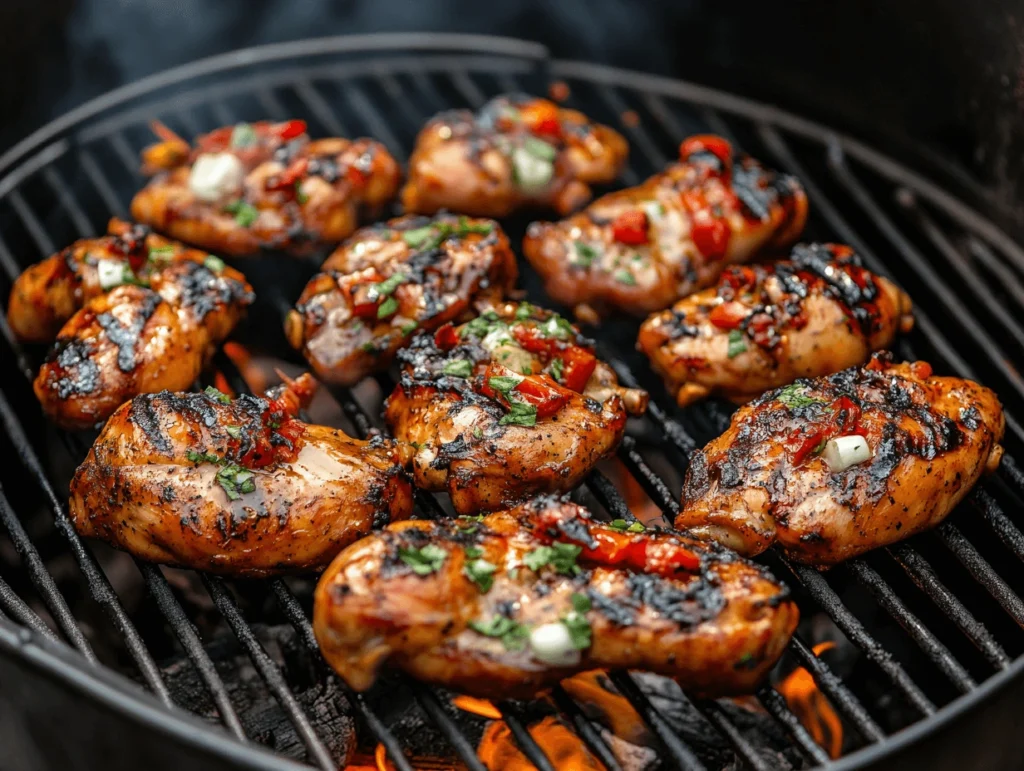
<point>290,192</point>
<point>48,293</point>
<point>517,152</point>
<point>239,487</point>
<point>638,250</point>
<point>764,326</point>
<point>477,426</point>
<point>656,601</point>
<point>766,481</point>
<point>391,279</point>
<point>153,334</point>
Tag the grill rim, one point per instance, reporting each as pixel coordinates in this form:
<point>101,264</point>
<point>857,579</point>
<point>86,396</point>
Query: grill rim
<point>50,142</point>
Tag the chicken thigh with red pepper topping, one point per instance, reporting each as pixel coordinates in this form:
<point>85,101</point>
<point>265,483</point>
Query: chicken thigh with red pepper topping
<point>240,487</point>
<point>263,185</point>
<point>165,310</point>
<point>764,326</point>
<point>517,152</point>
<point>512,404</point>
<point>507,605</point>
<point>640,249</point>
<point>831,467</point>
<point>391,279</point>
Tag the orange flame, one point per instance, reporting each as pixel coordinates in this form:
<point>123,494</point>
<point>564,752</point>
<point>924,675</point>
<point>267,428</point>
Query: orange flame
<point>498,749</point>
<point>381,758</point>
<point>813,707</point>
<point>480,707</point>
<point>610,709</point>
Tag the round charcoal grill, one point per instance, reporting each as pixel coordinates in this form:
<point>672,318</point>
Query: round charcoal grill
<point>927,670</point>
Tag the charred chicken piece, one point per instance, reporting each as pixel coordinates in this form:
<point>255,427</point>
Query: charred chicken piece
<point>509,604</point>
<point>638,250</point>
<point>391,279</point>
<point>263,185</point>
<point>239,487</point>
<point>155,331</point>
<point>832,467</point>
<point>512,404</point>
<point>517,152</point>
<point>764,326</point>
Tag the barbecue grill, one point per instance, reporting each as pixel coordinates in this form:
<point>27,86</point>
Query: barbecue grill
<point>101,658</point>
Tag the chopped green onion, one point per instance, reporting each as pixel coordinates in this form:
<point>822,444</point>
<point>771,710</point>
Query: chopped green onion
<point>388,285</point>
<point>737,344</point>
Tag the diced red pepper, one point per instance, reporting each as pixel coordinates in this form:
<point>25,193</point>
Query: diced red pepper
<point>843,419</point>
<point>446,337</point>
<point>532,339</point>
<point>634,551</point>
<point>356,177</point>
<point>728,315</point>
<point>292,129</point>
<point>543,393</point>
<point>356,288</point>
<point>719,147</point>
<point>578,364</point>
<point>630,227</point>
<point>710,235</point>
<point>286,179</point>
<point>541,116</point>
<point>216,140</point>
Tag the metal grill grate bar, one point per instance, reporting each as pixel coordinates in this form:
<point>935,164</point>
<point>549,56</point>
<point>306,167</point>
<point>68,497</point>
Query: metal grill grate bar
<point>22,613</point>
<point>983,573</point>
<point>776,706</point>
<point>584,728</point>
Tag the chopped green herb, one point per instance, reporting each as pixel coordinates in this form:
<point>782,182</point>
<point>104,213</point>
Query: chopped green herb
<point>299,195</point>
<point>217,395</point>
<point>819,447</point>
<point>504,383</point>
<point>557,368</point>
<point>386,308</point>
<point>202,457</point>
<point>243,135</point>
<point>424,560</point>
<point>559,328</point>
<point>530,172</point>
<point>477,433</point>
<point>580,602</point>
<point>474,552</point>
<point>795,396</point>
<point>409,327</point>
<point>561,556</point>
<point>433,235</point>
<point>481,325</point>
<point>746,661</point>
<point>274,425</point>
<point>458,368</point>
<point>245,213</point>
<point>585,253</point>
<point>626,527</point>
<point>576,622</point>
<point>511,633</point>
<point>213,264</point>
<point>387,286</point>
<point>519,414</point>
<point>368,347</point>
<point>737,344</point>
<point>236,481</point>
<point>480,572</point>
<point>625,277</point>
<point>161,254</point>
<point>538,148</point>
<point>524,311</point>
<point>235,432</point>
<point>417,236</point>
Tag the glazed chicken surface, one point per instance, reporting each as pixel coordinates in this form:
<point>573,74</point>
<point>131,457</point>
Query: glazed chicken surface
<point>234,486</point>
<point>774,477</point>
<point>511,404</point>
<point>764,326</point>
<point>152,320</point>
<point>640,249</point>
<point>517,152</point>
<point>392,279</point>
<point>263,185</point>
<point>507,605</point>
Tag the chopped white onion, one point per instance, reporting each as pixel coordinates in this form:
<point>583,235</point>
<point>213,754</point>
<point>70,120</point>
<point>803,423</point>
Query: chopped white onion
<point>532,174</point>
<point>845,451</point>
<point>111,273</point>
<point>552,644</point>
<point>215,175</point>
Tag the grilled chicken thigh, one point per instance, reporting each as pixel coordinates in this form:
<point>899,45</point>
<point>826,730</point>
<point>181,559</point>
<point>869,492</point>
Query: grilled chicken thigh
<point>764,326</point>
<point>509,604</point>
<point>640,249</point>
<point>240,487</point>
<point>391,279</point>
<point>156,331</point>
<point>905,448</point>
<point>263,185</point>
<point>517,152</point>
<point>512,404</point>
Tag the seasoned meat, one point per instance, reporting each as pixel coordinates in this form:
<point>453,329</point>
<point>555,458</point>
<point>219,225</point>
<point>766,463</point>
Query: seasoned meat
<point>154,332</point>
<point>240,487</point>
<point>639,250</point>
<point>263,185</point>
<point>512,404</point>
<point>764,326</point>
<point>517,152</point>
<point>391,279</point>
<point>775,476</point>
<point>507,605</point>
<point>48,293</point>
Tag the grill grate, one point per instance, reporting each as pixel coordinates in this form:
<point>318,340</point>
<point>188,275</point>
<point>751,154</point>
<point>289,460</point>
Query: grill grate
<point>63,183</point>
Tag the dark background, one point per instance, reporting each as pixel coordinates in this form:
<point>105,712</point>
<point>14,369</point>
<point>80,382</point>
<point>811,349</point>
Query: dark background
<point>936,82</point>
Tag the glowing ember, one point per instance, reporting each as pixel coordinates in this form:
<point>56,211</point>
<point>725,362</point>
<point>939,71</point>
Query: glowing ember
<point>498,748</point>
<point>381,756</point>
<point>636,498</point>
<point>813,708</point>
<point>480,707</point>
<point>590,690</point>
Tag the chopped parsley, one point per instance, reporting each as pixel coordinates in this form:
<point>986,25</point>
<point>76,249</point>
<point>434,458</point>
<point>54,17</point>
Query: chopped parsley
<point>202,457</point>
<point>626,527</point>
<point>524,311</point>
<point>504,383</point>
<point>236,481</point>
<point>245,213</point>
<point>433,235</point>
<point>386,308</point>
<point>477,433</point>
<point>217,395</point>
<point>795,396</point>
<point>424,560</point>
<point>417,236</point>
<point>299,195</point>
<point>558,327</point>
<point>213,264</point>
<point>737,344</point>
<point>409,327</point>
<point>561,556</point>
<point>585,253</point>
<point>479,571</point>
<point>368,347</point>
<point>625,277</point>
<point>519,414</point>
<point>481,325</point>
<point>161,254</point>
<point>576,622</point>
<point>557,368</point>
<point>243,136</point>
<point>387,286</point>
<point>512,634</point>
<point>538,148</point>
<point>235,432</point>
<point>458,368</point>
